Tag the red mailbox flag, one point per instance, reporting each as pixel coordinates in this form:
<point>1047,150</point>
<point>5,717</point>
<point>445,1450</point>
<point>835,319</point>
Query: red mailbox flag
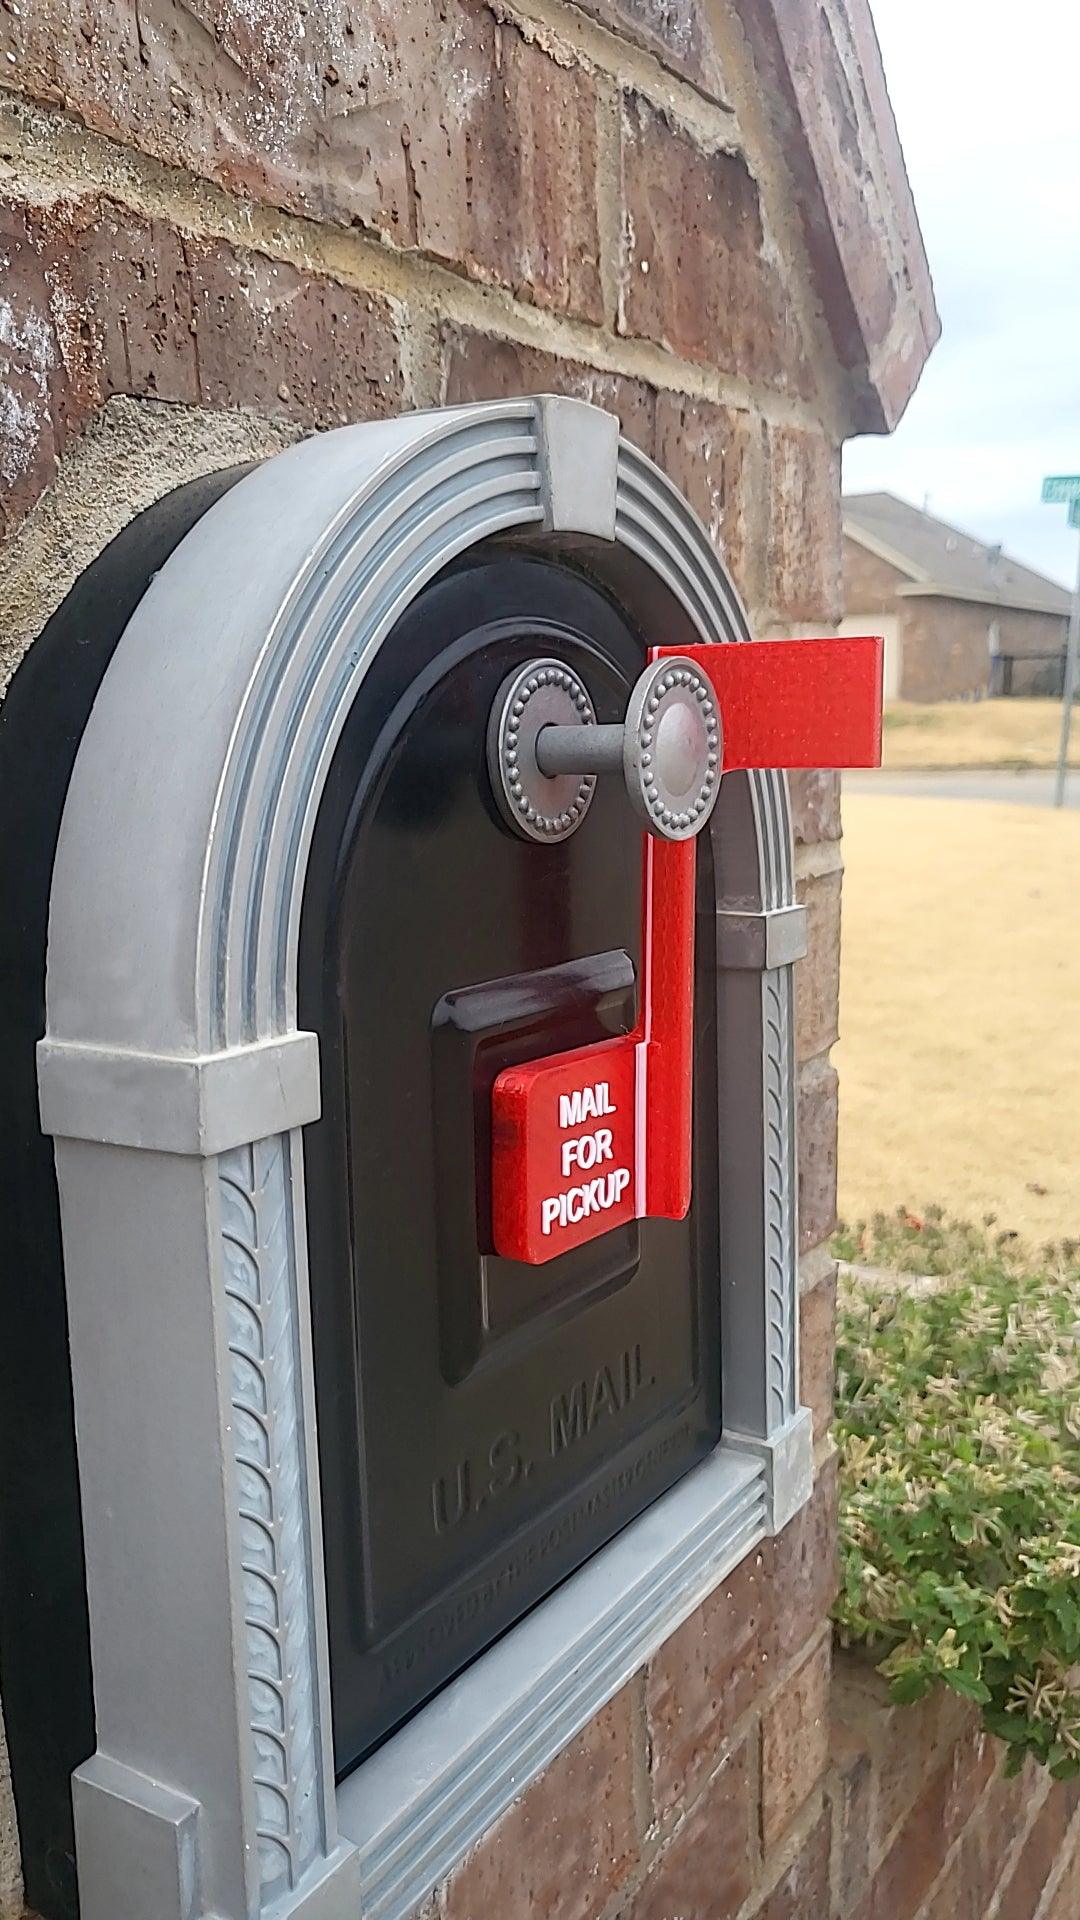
<point>584,1141</point>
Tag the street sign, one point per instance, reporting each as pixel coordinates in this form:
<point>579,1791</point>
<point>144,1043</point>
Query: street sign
<point>1058,487</point>
<point>1064,489</point>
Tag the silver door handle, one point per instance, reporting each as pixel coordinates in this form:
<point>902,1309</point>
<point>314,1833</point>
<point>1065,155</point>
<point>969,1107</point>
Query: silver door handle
<point>546,750</point>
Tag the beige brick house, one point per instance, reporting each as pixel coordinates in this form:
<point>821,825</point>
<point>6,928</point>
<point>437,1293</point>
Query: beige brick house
<point>960,619</point>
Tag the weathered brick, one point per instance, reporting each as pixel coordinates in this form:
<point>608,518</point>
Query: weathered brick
<point>817,1107</point>
<point>817,978</point>
<point>904,1742</point>
<point>568,1844</point>
<point>910,1739</point>
<point>707,1674</point>
<point>104,303</point>
<point>804,1571</point>
<point>967,1888</point>
<point>44,399</point>
<point>678,32</point>
<point>280,341</point>
<point>1035,1862</point>
<point>802,1892</point>
<point>817,1351</point>
<point>803,77</point>
<point>815,805</point>
<point>434,125</point>
<point>794,1742</point>
<point>698,275</point>
<point>479,367</point>
<point>923,1840</point>
<point>707,1867</point>
<point>715,455</point>
<point>804,539</point>
<point>1064,1903</point>
<point>851,1791</point>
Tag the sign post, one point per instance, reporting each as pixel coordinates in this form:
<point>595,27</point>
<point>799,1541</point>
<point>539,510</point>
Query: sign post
<point>1064,489</point>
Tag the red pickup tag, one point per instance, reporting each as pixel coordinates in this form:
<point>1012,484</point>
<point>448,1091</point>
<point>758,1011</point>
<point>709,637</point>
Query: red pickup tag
<point>584,1141</point>
<point>565,1150</point>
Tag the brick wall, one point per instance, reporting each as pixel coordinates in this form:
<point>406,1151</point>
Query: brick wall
<point>944,644</point>
<point>869,583</point>
<point>926,1827</point>
<point>227,225</point>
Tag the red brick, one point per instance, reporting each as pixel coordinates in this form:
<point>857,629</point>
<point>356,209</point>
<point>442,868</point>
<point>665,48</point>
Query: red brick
<point>1064,1903</point>
<point>678,32</point>
<point>707,1868</point>
<point>973,1877</point>
<point>794,1743</point>
<point>817,1351</point>
<point>802,1893</point>
<point>529,174</point>
<point>804,540</point>
<point>715,456</point>
<point>107,303</point>
<point>280,341</point>
<point>826,130</point>
<point>851,1791</point>
<point>923,1840</point>
<point>704,1677</point>
<point>569,1843</point>
<point>697,274</point>
<point>34,381</point>
<point>817,1109</point>
<point>1036,1860</point>
<point>804,1571</point>
<point>817,978</point>
<point>815,805</point>
<point>433,125</point>
<point>905,1743</point>
<point>479,367</point>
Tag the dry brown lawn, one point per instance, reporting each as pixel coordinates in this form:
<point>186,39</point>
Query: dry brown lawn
<point>960,1011</point>
<point>976,733</point>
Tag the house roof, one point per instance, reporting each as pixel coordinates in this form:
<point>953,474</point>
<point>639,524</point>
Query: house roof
<point>939,559</point>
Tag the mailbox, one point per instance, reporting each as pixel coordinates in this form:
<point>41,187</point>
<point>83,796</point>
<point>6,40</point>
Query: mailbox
<point>513,1198</point>
<point>419,1064</point>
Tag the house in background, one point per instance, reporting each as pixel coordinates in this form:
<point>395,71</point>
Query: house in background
<point>960,619</point>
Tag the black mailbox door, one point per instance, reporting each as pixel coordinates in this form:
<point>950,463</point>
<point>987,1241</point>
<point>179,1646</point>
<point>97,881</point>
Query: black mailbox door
<point>484,1426</point>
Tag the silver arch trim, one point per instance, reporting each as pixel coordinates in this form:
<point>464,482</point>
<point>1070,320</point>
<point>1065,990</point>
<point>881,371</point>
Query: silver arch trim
<point>176,1084</point>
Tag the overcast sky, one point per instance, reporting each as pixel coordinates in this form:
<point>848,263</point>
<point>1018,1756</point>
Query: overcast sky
<point>987,99</point>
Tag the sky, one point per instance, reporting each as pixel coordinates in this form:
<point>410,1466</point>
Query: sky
<point>987,99</point>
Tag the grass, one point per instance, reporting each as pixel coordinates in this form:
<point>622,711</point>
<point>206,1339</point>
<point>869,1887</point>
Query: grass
<point>976,733</point>
<point>960,1012</point>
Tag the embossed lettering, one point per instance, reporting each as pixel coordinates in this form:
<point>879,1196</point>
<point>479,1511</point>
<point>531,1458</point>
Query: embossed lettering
<point>611,1389</point>
<point>444,1517</point>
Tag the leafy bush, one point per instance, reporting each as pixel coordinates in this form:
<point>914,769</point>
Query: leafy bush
<point>958,1423</point>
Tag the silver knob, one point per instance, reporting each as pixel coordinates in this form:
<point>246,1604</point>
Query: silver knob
<point>545,749</point>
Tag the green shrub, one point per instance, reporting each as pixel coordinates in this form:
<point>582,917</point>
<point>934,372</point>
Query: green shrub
<point>958,1423</point>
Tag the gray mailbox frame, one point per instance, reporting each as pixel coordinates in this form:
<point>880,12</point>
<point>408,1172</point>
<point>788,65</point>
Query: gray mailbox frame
<point>176,1084</point>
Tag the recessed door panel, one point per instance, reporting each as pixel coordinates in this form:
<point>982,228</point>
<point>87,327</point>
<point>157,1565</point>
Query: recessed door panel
<point>484,1425</point>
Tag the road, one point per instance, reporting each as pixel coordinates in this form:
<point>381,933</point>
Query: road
<point>1029,789</point>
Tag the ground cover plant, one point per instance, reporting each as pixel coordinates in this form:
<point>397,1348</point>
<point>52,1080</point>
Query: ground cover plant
<point>958,1424</point>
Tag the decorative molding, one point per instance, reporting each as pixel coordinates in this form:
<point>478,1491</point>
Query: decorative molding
<point>760,940</point>
<point>257,1233</point>
<point>173,1104</point>
<point>174,926</point>
<point>780,1233</point>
